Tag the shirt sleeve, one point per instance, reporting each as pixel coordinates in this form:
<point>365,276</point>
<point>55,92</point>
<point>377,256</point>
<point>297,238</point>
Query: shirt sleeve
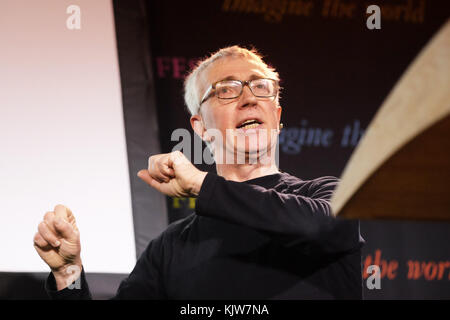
<point>298,221</point>
<point>144,282</point>
<point>79,290</point>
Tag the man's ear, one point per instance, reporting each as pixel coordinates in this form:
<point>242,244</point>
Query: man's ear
<point>198,126</point>
<point>279,110</point>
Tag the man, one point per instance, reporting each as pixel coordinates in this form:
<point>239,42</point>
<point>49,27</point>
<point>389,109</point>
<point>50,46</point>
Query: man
<point>256,233</point>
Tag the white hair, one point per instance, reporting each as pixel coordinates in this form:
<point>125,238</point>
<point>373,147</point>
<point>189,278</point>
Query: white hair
<point>191,90</point>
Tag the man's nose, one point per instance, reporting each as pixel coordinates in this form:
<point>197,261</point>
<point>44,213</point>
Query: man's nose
<point>247,97</point>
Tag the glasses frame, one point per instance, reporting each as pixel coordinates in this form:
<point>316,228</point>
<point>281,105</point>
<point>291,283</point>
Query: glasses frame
<point>208,93</point>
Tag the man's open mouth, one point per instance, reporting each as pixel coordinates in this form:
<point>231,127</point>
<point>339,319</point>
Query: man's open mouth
<point>249,124</point>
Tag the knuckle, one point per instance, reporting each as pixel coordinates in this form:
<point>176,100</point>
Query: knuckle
<point>44,231</point>
<point>151,162</point>
<point>49,213</point>
<point>49,216</point>
<point>42,226</point>
<point>39,241</point>
<point>37,237</point>
<point>160,165</point>
<point>60,223</point>
<point>65,227</point>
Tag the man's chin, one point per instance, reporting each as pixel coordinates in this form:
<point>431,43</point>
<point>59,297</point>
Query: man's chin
<point>251,153</point>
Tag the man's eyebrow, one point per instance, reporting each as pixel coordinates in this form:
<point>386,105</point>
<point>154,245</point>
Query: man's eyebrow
<point>252,77</point>
<point>230,78</point>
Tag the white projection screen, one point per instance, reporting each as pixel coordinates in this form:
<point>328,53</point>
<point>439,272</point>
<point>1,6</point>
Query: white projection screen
<point>62,137</point>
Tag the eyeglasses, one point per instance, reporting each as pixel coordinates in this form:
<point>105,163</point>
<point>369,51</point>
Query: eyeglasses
<point>231,89</point>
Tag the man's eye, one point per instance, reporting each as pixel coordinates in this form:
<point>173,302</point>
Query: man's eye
<point>261,87</point>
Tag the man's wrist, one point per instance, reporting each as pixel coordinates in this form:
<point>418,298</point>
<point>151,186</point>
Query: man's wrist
<point>197,183</point>
<point>67,275</point>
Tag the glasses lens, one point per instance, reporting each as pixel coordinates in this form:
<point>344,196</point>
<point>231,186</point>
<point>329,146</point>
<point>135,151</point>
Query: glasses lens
<point>263,87</point>
<point>228,89</point>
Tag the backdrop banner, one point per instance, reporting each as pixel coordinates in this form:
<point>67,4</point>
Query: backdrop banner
<point>335,73</point>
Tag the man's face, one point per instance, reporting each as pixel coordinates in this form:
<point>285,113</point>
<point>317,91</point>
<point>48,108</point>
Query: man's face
<point>231,114</point>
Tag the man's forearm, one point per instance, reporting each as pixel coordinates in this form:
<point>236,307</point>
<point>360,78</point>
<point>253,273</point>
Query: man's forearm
<point>294,220</point>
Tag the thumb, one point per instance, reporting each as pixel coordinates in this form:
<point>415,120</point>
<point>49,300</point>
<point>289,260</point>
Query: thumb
<point>65,222</point>
<point>145,176</point>
<point>65,214</point>
<point>66,230</point>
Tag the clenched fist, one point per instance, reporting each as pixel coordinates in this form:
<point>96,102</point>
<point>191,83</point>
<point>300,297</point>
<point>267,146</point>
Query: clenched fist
<point>173,174</point>
<point>58,243</point>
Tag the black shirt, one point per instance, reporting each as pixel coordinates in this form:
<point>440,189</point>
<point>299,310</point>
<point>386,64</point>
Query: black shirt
<point>272,237</point>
